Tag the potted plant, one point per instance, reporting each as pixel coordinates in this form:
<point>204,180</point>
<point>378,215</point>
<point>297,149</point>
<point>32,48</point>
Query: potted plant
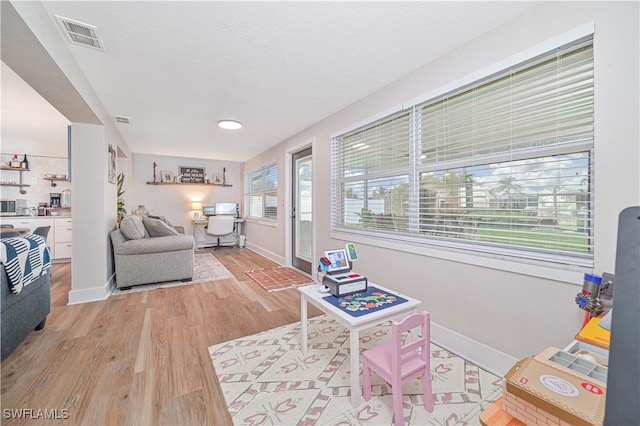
<point>366,218</point>
<point>121,210</point>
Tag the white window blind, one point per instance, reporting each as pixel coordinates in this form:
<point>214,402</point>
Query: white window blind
<point>503,165</point>
<point>369,165</point>
<point>261,192</point>
<point>545,103</point>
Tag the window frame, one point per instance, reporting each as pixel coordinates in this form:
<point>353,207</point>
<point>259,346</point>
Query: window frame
<point>268,189</point>
<point>338,224</point>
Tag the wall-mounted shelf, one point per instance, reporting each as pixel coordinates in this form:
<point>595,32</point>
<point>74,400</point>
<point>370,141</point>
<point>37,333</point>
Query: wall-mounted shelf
<point>15,169</point>
<point>56,211</point>
<point>16,184</point>
<point>53,180</point>
<point>19,184</point>
<point>188,183</point>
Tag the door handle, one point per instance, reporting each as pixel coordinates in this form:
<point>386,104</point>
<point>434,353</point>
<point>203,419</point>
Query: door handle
<point>293,213</point>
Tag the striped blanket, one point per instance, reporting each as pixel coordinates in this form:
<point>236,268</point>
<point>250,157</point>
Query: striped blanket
<point>25,258</point>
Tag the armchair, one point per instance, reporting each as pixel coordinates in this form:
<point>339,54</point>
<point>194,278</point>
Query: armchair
<point>155,253</point>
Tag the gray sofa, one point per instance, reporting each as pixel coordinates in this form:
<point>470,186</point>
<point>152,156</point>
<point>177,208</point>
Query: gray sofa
<point>152,259</point>
<point>23,312</point>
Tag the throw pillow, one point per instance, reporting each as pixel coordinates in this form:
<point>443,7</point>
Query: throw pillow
<point>132,227</point>
<point>157,228</point>
<point>162,218</point>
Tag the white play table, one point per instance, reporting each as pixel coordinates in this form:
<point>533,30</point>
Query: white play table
<point>355,325</point>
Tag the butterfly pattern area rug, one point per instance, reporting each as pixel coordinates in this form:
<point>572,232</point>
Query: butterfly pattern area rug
<point>266,379</point>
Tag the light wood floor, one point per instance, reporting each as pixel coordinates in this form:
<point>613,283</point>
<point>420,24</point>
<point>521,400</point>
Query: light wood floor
<point>140,359</point>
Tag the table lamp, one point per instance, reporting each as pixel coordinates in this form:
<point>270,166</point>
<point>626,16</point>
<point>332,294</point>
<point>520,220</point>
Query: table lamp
<point>196,205</point>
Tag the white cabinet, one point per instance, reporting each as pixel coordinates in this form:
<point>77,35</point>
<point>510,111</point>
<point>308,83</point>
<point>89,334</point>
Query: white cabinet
<point>32,223</point>
<point>59,237</point>
<point>63,237</point>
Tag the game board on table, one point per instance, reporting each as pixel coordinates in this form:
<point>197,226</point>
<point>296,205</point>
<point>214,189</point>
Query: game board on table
<point>366,302</point>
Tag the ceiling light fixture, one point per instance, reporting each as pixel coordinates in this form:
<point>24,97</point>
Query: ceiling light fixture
<point>229,124</point>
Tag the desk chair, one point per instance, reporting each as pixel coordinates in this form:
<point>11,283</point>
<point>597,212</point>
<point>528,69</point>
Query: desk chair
<point>398,362</point>
<point>221,226</point>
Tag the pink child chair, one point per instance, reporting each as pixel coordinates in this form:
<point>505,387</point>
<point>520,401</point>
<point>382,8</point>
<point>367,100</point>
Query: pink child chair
<point>398,363</point>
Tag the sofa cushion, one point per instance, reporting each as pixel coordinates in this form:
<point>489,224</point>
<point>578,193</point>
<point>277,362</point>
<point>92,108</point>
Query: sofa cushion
<point>155,245</point>
<point>132,227</point>
<point>157,228</point>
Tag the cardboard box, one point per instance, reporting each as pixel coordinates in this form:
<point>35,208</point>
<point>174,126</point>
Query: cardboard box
<point>539,393</point>
<point>578,347</point>
<point>575,363</point>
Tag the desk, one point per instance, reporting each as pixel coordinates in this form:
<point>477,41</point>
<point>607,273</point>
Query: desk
<point>7,231</point>
<point>198,230</point>
<point>310,294</point>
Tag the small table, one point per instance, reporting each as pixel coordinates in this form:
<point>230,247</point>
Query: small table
<point>6,231</point>
<point>355,325</point>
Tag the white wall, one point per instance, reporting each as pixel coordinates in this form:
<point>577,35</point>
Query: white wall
<point>39,189</point>
<point>94,198</point>
<point>30,125</point>
<point>124,165</point>
<point>514,308</point>
<point>174,201</point>
<point>89,250</point>
<point>267,238</point>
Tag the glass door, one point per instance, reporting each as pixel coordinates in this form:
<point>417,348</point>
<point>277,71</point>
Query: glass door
<point>301,215</point>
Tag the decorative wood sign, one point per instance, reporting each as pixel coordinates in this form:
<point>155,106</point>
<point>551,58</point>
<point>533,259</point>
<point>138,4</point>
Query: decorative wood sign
<point>191,174</point>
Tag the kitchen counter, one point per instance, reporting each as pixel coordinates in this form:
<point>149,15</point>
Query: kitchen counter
<point>59,237</point>
<point>66,214</point>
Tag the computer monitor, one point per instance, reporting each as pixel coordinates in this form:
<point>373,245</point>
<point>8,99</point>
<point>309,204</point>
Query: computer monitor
<point>208,210</point>
<point>339,261</point>
<point>227,209</point>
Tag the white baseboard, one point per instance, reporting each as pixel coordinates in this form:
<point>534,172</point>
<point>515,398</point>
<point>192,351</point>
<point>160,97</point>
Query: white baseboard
<point>483,356</point>
<point>94,294</point>
<point>266,253</point>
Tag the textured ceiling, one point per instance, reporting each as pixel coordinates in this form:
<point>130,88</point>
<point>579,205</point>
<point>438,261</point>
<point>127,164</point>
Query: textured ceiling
<point>176,68</point>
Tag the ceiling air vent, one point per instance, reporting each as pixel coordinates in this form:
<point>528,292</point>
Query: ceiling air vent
<point>121,119</point>
<point>82,34</point>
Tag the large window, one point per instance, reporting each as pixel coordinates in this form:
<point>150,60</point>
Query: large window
<point>261,192</point>
<point>503,165</point>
